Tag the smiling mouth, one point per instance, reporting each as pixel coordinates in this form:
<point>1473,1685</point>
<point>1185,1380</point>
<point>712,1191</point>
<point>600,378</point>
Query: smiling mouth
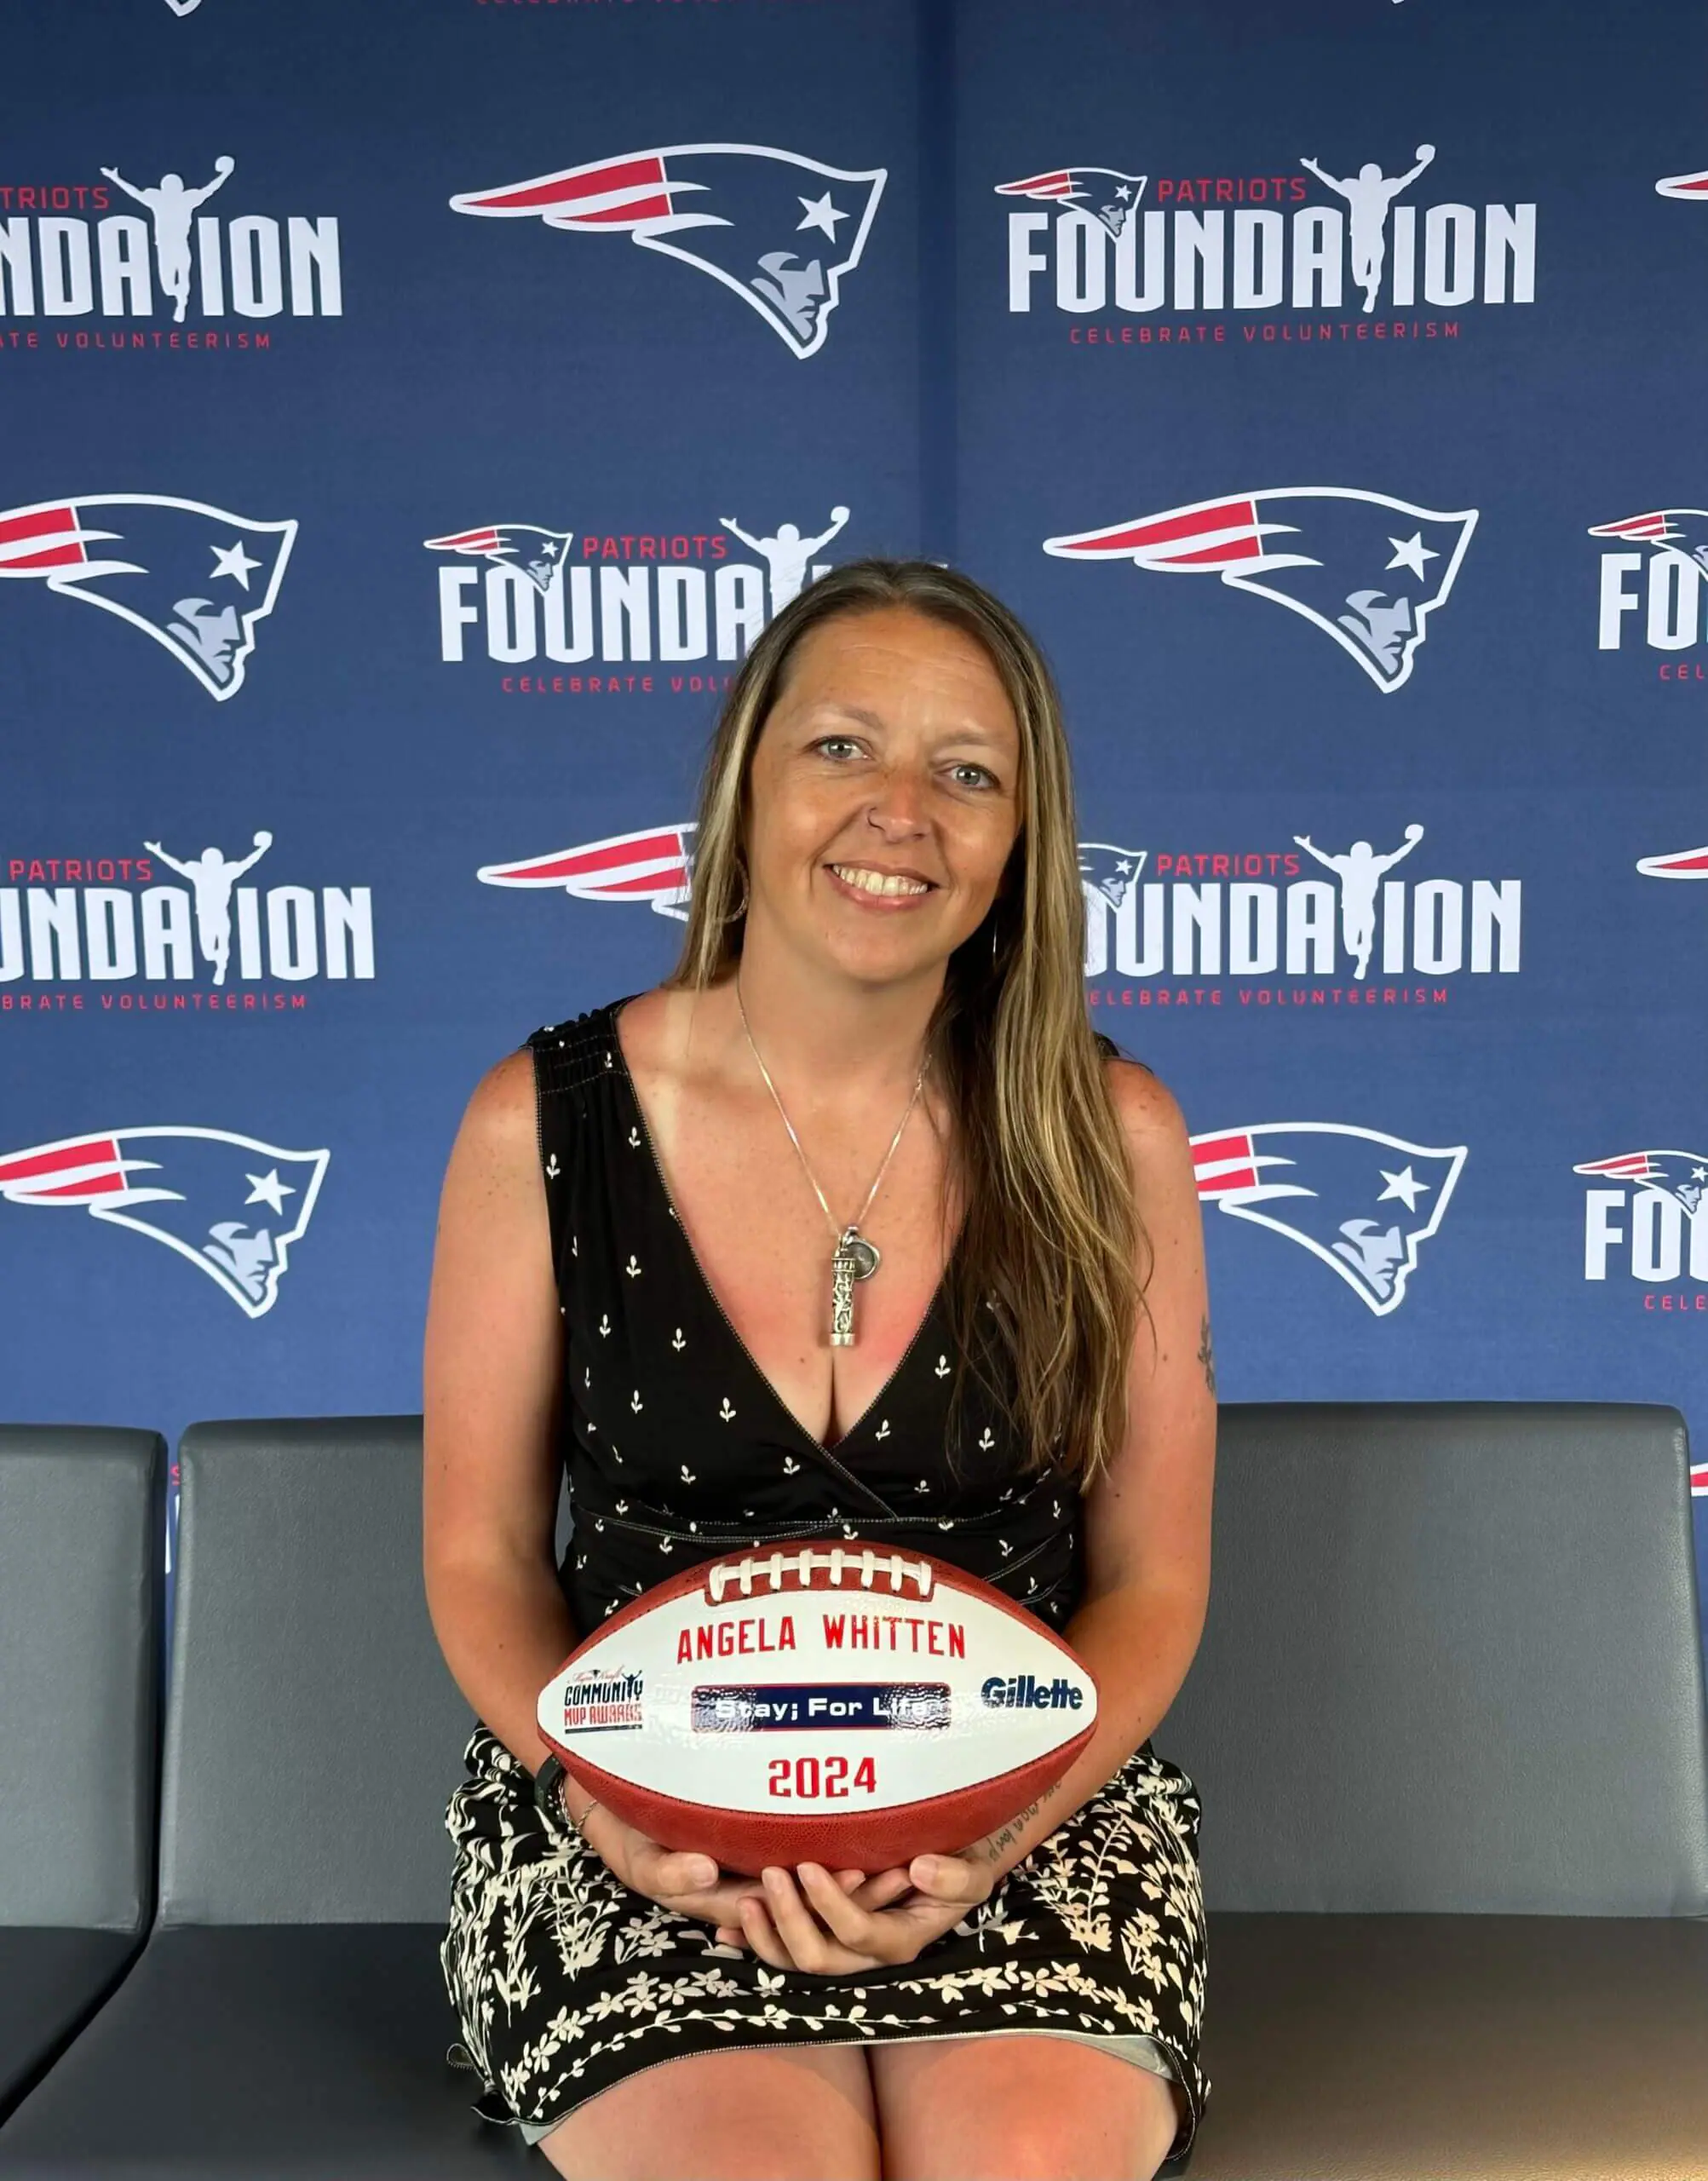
<point>881,885</point>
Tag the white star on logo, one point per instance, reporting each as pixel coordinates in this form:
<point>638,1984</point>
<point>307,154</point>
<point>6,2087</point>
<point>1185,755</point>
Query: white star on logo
<point>267,1188</point>
<point>232,560</point>
<point>1405,1185</point>
<point>1698,1173</point>
<point>821,214</point>
<point>1411,553</point>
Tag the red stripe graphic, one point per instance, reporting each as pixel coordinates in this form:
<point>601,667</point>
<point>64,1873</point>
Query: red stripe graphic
<point>467,541</point>
<point>1040,184</point>
<point>1168,540</point>
<point>1688,863</point>
<point>642,865</point>
<point>643,176</point>
<point>61,545</point>
<point>31,1174</point>
<point>1236,1158</point>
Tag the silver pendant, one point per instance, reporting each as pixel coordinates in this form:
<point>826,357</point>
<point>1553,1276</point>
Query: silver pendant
<point>856,1259</point>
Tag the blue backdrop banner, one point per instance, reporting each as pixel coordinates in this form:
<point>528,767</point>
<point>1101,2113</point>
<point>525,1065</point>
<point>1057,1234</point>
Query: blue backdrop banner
<point>433,398</point>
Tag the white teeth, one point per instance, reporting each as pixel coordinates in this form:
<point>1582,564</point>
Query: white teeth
<point>873,882</point>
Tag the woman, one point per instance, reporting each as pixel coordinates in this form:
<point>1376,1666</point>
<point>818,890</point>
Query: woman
<point>878,1020</point>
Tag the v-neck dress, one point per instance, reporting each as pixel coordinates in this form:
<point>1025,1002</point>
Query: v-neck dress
<point>675,1447</point>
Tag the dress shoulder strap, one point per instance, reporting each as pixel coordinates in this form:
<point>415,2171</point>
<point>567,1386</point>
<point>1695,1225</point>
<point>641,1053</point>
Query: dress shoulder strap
<point>567,1056</point>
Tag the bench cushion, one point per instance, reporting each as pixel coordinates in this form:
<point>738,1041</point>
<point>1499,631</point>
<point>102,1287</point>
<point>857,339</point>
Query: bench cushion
<point>275,2051</point>
<point>50,1983</point>
<point>1454,2048</point>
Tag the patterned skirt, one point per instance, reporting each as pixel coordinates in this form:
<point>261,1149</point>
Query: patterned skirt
<point>564,1981</point>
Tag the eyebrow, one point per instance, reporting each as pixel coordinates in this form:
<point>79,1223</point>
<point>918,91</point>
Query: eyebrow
<point>962,734</point>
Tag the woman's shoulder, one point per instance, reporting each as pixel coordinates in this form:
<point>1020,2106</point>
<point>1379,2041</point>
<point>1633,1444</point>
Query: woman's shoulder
<point>1145,1105</point>
<point>554,1057</point>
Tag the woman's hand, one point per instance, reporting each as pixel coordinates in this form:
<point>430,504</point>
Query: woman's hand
<point>827,1928</point>
<point>689,1883</point>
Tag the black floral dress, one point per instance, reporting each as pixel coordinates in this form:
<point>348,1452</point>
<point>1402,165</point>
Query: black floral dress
<point>564,1980</point>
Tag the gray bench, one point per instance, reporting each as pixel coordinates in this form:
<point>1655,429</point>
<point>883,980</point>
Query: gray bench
<point>82,1529</point>
<point>287,2016</point>
<point>1447,1722</point>
<point>1446,1717</point>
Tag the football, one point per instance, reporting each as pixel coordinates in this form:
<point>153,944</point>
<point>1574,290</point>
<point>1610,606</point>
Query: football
<point>846,1705</point>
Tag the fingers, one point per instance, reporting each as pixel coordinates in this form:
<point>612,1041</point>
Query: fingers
<point>886,1887</point>
<point>950,1878</point>
<point>689,1883</point>
<point>809,1945</point>
<point>851,1883</point>
<point>675,1871</point>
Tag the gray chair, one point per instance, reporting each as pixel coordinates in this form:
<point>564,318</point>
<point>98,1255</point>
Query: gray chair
<point>287,2016</point>
<point>82,1540</point>
<point>1447,1724</point>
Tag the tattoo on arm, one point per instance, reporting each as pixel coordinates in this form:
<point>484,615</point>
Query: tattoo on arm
<point>990,1850</point>
<point>1206,1355</point>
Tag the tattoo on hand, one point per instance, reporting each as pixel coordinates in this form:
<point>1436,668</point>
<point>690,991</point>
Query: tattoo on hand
<point>1206,1355</point>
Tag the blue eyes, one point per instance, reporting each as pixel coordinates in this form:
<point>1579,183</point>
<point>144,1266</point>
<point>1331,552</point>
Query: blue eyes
<point>965,766</point>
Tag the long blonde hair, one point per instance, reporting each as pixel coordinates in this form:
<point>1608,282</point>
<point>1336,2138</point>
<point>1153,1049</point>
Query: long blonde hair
<point>1052,1241</point>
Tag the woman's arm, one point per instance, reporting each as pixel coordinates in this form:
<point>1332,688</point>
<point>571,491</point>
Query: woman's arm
<point>491,1386</point>
<point>1147,1517</point>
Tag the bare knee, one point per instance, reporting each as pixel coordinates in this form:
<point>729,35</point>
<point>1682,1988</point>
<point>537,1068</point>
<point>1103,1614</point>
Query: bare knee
<point>1022,2116</point>
<point>779,2114</point>
<point>1125,2143</point>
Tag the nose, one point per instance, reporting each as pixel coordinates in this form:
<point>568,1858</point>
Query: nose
<point>898,804</point>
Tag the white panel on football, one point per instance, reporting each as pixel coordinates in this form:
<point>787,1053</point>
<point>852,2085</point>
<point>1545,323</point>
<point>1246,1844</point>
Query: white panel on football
<point>865,1686</point>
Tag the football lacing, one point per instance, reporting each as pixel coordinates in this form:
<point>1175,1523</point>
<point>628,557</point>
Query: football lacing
<point>868,1566</point>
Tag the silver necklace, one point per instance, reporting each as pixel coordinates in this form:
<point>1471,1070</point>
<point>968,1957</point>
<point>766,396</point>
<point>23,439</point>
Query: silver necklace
<point>855,1258</point>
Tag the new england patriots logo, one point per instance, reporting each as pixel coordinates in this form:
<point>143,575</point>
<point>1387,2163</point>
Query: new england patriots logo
<point>1107,194</point>
<point>1681,1174</point>
<point>779,229</point>
<point>1366,569</point>
<point>1681,532</point>
<point>1693,186</point>
<point>1331,1178</point>
<point>655,866</point>
<point>536,554</point>
<point>196,578</point>
<point>1110,871</point>
<point>230,1203</point>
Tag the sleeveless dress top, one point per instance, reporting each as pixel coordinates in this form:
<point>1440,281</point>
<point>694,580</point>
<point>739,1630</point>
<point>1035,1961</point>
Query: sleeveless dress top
<point>675,1448</point>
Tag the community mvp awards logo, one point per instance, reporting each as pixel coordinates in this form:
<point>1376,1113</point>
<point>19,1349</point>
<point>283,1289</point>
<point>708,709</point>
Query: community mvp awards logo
<point>1159,258</point>
<point>603,601</point>
<point>231,1204</point>
<point>1364,569</point>
<point>778,230</point>
<point>1651,597</point>
<point>196,578</point>
<point>1362,1203</point>
<point>74,251</point>
<point>1313,923</point>
<point>208,945</point>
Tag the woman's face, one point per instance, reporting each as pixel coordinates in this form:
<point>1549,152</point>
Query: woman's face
<point>891,751</point>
